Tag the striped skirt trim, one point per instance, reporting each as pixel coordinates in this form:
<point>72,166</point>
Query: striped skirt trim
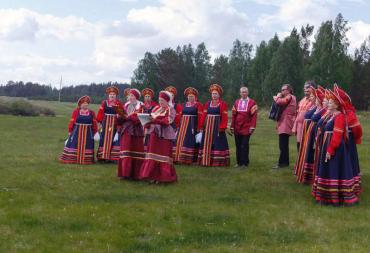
<point>206,152</point>
<point>105,153</point>
<point>70,155</point>
<point>181,136</point>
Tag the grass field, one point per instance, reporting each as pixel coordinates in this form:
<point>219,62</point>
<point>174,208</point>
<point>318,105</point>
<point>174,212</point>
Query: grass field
<point>49,207</point>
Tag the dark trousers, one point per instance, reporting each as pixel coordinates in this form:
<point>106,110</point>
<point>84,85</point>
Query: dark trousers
<point>242,149</point>
<point>284,149</point>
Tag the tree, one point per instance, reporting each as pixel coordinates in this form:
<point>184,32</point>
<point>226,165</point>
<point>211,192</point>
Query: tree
<point>286,66</point>
<point>360,89</point>
<point>330,61</point>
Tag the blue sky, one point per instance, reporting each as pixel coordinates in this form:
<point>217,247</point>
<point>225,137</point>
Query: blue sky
<point>99,41</point>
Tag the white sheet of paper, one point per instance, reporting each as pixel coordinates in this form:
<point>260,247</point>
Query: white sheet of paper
<point>144,118</point>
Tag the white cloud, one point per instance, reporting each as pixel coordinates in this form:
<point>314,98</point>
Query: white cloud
<point>358,33</point>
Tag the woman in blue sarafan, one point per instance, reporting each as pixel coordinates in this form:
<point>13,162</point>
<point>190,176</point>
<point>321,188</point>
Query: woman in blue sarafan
<point>109,144</point>
<point>82,130</point>
<point>335,182</point>
<point>214,148</point>
<point>186,150</point>
<point>354,134</point>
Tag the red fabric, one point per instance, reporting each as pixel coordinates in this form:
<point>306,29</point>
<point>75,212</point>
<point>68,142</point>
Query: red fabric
<point>286,122</point>
<point>178,109</point>
<point>338,133</point>
<point>162,119</point>
<point>223,113</point>
<point>131,156</point>
<point>200,114</point>
<point>95,123</point>
<point>354,125</point>
<point>158,164</point>
<point>152,104</point>
<point>303,106</point>
<point>72,121</point>
<point>100,115</point>
<point>243,121</point>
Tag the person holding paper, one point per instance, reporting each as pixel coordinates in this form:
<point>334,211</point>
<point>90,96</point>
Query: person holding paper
<point>148,106</point>
<point>214,148</point>
<point>82,131</point>
<point>158,166</point>
<point>107,120</point>
<point>186,151</point>
<point>132,142</point>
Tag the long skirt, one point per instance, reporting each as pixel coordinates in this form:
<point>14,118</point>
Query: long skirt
<point>186,150</point>
<point>335,182</point>
<point>108,149</point>
<point>355,163</point>
<point>131,156</point>
<point>80,146</point>
<point>301,158</point>
<point>158,163</point>
<point>214,148</point>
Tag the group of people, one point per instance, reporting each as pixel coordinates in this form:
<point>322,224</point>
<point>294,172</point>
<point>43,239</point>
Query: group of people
<point>324,122</point>
<point>192,133</point>
<point>327,130</point>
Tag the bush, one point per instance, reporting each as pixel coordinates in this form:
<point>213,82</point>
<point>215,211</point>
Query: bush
<point>23,107</point>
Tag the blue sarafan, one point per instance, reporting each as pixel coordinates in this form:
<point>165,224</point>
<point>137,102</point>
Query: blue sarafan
<point>214,148</point>
<point>186,149</point>
<point>336,182</point>
<point>109,146</point>
<point>79,147</point>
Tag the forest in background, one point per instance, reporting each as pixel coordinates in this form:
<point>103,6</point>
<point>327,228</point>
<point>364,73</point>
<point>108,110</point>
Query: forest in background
<point>263,68</point>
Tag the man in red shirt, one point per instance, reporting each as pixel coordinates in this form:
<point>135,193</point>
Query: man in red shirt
<point>244,120</point>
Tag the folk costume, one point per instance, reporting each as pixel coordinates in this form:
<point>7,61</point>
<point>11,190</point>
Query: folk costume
<point>132,139</point>
<point>79,147</point>
<point>186,150</point>
<point>243,123</point>
<point>214,148</point>
<point>109,144</point>
<point>308,127</point>
<point>158,164</point>
<point>147,108</point>
<point>335,182</point>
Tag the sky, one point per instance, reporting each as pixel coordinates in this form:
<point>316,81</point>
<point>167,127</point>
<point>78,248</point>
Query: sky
<point>89,41</point>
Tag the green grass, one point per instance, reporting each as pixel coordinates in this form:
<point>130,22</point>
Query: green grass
<point>49,207</point>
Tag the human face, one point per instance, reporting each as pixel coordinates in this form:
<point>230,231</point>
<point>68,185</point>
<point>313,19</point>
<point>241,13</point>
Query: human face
<point>84,106</point>
<point>284,90</point>
<point>244,93</point>
<point>147,98</point>
<point>112,96</point>
<point>162,102</point>
<point>307,91</point>
<point>191,98</point>
<point>215,95</point>
<point>312,97</point>
<point>132,98</point>
<point>325,102</point>
<point>332,106</point>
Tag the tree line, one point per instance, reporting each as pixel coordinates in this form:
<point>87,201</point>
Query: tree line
<point>292,60</point>
<point>68,94</point>
<point>263,68</point>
